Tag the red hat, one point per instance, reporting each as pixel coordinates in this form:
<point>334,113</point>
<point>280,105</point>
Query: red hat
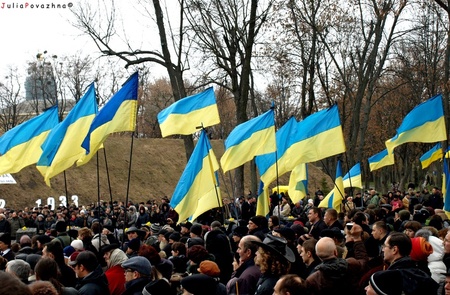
<point>209,268</point>
<point>421,249</point>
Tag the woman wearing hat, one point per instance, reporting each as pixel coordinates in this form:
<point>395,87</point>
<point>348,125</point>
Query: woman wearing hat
<point>274,259</point>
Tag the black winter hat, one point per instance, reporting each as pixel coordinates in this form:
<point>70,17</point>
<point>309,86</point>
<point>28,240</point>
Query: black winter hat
<point>387,282</point>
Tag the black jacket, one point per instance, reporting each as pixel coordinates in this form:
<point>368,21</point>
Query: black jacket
<point>95,283</point>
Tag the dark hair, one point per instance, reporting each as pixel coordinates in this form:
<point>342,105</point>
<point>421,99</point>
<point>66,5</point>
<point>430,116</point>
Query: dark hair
<point>293,284</point>
<point>436,222</point>
<point>197,254</point>
<point>96,228</point>
<point>150,253</point>
<point>275,220</point>
<point>402,241</point>
<point>47,270</point>
<point>180,247</point>
<point>310,245</point>
<point>12,285</point>
<point>56,249</point>
<point>381,225</point>
<point>413,225</point>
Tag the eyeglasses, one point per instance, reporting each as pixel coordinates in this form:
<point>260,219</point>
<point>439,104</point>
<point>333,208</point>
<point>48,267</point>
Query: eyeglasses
<point>386,246</point>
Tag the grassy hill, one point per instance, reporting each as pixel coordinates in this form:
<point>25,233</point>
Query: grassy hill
<point>156,167</point>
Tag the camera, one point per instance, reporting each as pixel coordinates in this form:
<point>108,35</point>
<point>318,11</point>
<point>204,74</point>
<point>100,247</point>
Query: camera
<point>349,226</point>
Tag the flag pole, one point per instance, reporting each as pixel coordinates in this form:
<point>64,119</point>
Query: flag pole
<point>333,179</point>
<point>98,203</point>
<point>107,176</point>
<point>276,169</point>
<point>128,188</point>
<point>65,184</point>
<point>350,176</point>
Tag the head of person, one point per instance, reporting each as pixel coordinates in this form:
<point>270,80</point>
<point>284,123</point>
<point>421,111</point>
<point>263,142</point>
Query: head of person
<point>54,250</point>
<point>137,267</point>
<point>307,251</point>
<point>385,282</point>
<point>246,248</point>
<point>330,216</point>
<point>257,222</point>
<point>178,249</point>
<point>411,227</point>
<point>273,221</point>
<point>274,256</point>
<point>12,285</point>
<point>83,263</point>
<point>113,255</point>
<point>314,215</point>
<point>199,284</point>
<point>447,283</point>
<point>326,249</point>
<point>397,245</point>
<point>5,241</point>
<point>19,268</point>
<point>133,233</point>
<point>185,227</point>
<point>196,230</point>
<point>43,287</point>
<point>46,269</point>
<point>379,230</point>
<point>290,284</point>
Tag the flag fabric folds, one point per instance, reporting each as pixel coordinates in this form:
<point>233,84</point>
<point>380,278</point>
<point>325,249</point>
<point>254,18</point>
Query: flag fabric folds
<point>425,123</point>
<point>21,146</point>
<point>298,183</point>
<point>185,115</point>
<point>317,137</point>
<point>267,163</point>
<point>434,154</point>
<point>380,160</point>
<point>249,139</point>
<point>62,148</point>
<point>197,190</point>
<point>117,115</point>
<point>353,177</point>
<point>335,197</point>
<point>262,203</point>
<point>446,187</point>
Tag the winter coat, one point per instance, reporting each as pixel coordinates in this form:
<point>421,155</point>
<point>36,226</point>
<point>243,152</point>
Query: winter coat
<point>435,260</point>
<point>94,284</point>
<point>116,280</point>
<point>136,286</point>
<point>245,278</point>
<point>266,284</point>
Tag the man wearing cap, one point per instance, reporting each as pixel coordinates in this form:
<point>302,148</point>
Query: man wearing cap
<point>137,274</point>
<point>274,259</point>
<point>246,274</point>
<point>185,229</point>
<point>92,280</point>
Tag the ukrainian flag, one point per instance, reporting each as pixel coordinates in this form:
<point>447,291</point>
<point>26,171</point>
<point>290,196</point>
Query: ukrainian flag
<point>117,115</point>
<point>425,123</point>
<point>317,137</point>
<point>187,114</point>
<point>267,163</point>
<point>197,190</point>
<point>434,154</point>
<point>380,160</point>
<point>249,139</point>
<point>353,177</point>
<point>262,203</point>
<point>20,146</point>
<point>62,148</point>
<point>335,197</point>
<point>445,188</point>
<point>298,183</point>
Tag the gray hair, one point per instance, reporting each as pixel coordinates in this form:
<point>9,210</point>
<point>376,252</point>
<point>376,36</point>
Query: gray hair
<point>19,268</point>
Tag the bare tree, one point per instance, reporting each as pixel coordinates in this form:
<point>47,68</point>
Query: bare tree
<point>103,33</point>
<point>11,101</point>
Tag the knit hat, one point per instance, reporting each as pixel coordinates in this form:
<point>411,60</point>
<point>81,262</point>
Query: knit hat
<point>240,231</point>
<point>69,250</point>
<point>259,220</point>
<point>175,236</point>
<point>155,227</point>
<point>387,282</point>
<point>140,264</point>
<point>209,268</point>
<point>77,245</point>
<point>196,229</point>
<point>186,224</point>
<point>158,287</point>
<point>421,249</point>
<point>134,244</point>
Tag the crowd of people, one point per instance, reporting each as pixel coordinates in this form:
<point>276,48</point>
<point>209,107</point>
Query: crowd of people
<point>395,243</point>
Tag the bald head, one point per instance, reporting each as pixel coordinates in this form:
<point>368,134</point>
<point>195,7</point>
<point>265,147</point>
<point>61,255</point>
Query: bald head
<point>326,249</point>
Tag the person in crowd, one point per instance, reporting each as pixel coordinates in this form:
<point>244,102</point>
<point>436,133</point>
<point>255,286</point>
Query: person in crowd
<point>137,274</point>
<point>199,284</point>
<point>21,269</point>
<point>63,237</point>
<point>54,251</point>
<point>331,219</point>
<point>211,269</point>
<point>5,247</point>
<point>258,226</point>
<point>273,222</point>
<point>178,258</point>
<point>246,274</point>
<point>374,243</point>
<point>283,209</point>
<point>385,282</point>
<point>315,224</point>
<point>411,227</point>
<point>114,258</point>
<point>435,259</point>
<point>12,285</point>
<point>91,279</point>
<point>307,251</point>
<point>42,287</point>
<point>274,259</point>
<point>46,269</point>
<point>5,226</point>
<point>248,208</point>
<point>338,275</point>
<point>290,284</point>
<point>16,223</point>
<point>396,250</point>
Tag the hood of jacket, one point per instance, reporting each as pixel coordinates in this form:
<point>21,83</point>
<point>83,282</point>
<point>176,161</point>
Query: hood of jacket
<point>334,268</point>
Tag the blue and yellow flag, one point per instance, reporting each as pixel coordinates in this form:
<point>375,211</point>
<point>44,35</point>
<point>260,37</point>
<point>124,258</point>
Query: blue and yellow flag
<point>317,137</point>
<point>62,148</point>
<point>117,115</point>
<point>425,123</point>
<point>298,183</point>
<point>267,163</point>
<point>380,160</point>
<point>353,177</point>
<point>198,190</point>
<point>249,139</point>
<point>262,203</point>
<point>446,187</point>
<point>187,114</point>
<point>335,197</point>
<point>434,154</point>
<point>21,146</point>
